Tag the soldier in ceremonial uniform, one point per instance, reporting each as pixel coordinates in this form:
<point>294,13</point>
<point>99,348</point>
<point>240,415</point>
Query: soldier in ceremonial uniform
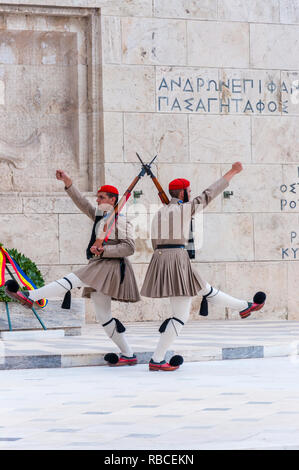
<point>108,274</point>
<point>170,273</point>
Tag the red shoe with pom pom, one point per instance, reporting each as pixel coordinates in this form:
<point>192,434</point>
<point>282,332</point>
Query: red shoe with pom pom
<point>258,303</point>
<point>12,291</point>
<point>115,361</point>
<point>173,364</point>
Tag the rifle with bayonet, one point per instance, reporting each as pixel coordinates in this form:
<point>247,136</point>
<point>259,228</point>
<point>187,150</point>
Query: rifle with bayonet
<point>147,168</point>
<point>165,200</point>
<point>108,227</point>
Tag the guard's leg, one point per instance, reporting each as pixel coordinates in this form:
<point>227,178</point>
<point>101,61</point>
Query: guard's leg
<point>217,297</point>
<point>114,329</point>
<point>50,291</point>
<point>170,330</point>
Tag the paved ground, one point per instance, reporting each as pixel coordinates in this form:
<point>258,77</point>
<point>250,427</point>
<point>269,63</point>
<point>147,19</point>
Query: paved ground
<point>199,341</point>
<point>241,404</point>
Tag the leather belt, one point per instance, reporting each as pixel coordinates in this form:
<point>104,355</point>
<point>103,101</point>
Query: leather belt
<point>160,247</point>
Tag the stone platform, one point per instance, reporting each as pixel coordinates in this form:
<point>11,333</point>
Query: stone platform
<point>53,316</point>
<point>200,341</point>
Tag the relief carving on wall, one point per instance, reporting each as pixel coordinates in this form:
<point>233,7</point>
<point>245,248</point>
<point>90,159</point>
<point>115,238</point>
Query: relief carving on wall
<point>39,110</point>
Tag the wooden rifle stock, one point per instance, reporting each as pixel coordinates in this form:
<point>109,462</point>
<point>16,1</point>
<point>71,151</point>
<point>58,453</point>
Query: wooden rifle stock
<point>161,193</point>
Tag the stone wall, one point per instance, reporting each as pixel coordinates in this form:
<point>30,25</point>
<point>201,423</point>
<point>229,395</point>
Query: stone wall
<point>200,83</point>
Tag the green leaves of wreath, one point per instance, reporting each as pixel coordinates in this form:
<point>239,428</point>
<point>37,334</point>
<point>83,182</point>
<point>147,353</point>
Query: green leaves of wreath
<point>29,268</point>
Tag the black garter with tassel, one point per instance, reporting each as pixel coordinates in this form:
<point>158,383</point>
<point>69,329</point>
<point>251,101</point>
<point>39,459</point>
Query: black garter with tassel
<point>66,304</point>
<point>204,309</point>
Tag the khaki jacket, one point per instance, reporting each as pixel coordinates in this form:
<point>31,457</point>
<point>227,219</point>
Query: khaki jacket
<point>171,224</point>
<point>121,240</point>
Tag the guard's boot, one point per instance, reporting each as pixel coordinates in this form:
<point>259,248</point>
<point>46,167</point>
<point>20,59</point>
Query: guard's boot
<point>12,291</point>
<point>258,302</point>
<point>116,361</point>
<point>173,364</point>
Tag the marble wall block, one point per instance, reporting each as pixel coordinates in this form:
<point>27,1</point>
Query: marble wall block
<point>227,237</point>
<point>2,22</point>
<point>37,95</point>
<point>200,9</point>
<point>10,204</point>
<point>200,177</point>
<point>24,22</point>
<point>74,236</point>
<point>243,280</point>
<point>290,92</point>
<point>114,137</point>
<point>276,237</point>
<point>128,88</point>
<point>293,289</point>
<point>111,39</point>
<point>245,91</point>
<point>38,48</point>
<point>218,44</point>
<point>289,189</point>
<point>153,41</point>
<point>217,139</point>
<point>42,121</point>
<point>156,134</point>
<point>187,89</point>
<point>33,235</point>
<point>52,204</point>
<point>108,7</point>
<point>272,46</point>
<point>256,189</point>
<point>122,7</point>
<point>85,103</point>
<point>2,92</point>
<point>249,10</point>
<point>274,139</point>
<point>289,11</point>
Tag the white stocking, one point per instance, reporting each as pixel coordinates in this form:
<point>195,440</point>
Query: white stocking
<point>217,297</point>
<point>56,289</point>
<point>102,305</point>
<point>180,307</point>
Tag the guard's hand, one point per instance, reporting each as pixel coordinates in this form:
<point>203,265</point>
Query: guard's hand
<point>63,176</point>
<point>97,249</point>
<point>237,167</point>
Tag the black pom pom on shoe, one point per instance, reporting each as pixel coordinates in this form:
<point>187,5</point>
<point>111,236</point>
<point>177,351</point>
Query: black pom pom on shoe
<point>12,285</point>
<point>112,358</point>
<point>176,360</point>
<point>259,298</point>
